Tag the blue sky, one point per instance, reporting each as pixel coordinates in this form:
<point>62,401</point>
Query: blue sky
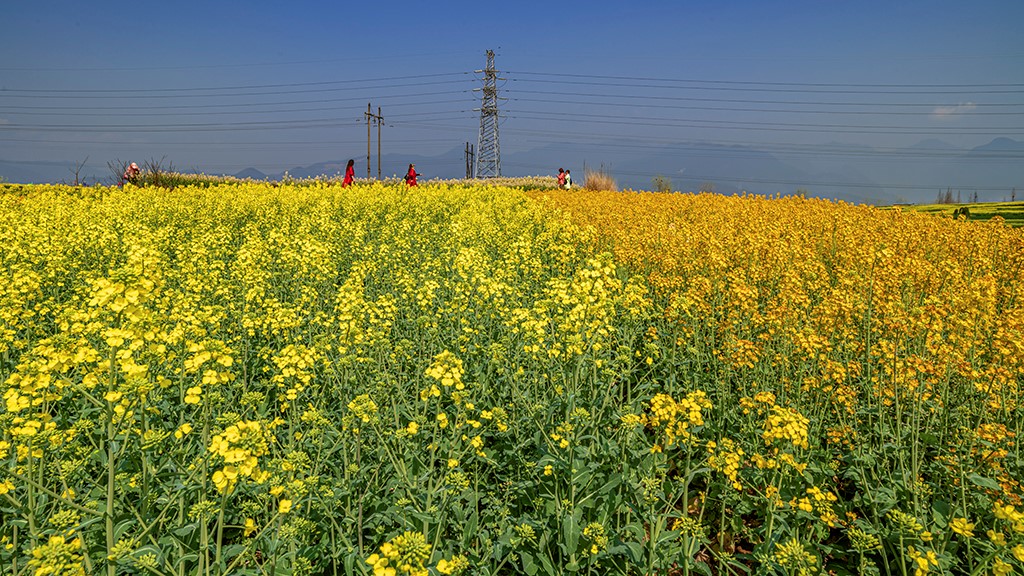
<point>220,86</point>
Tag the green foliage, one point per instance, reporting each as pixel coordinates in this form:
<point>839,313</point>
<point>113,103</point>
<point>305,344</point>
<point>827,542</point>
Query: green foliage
<point>1010,213</point>
<point>661,183</point>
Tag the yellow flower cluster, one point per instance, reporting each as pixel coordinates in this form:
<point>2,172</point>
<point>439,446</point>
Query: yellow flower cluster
<point>211,359</point>
<point>908,524</point>
<point>1011,515</point>
<point>962,527</point>
<point>497,416</point>
<point>677,418</point>
<point>58,556</point>
<point>595,535</point>
<point>447,369</point>
<point>759,403</point>
<point>562,435</point>
<point>726,457</point>
<point>818,500</point>
<point>788,425</point>
<point>456,565</point>
<point>404,554</point>
<point>240,446</point>
<point>363,408</point>
<point>295,365</point>
<point>922,561</point>
<point>577,316</point>
<point>795,558</point>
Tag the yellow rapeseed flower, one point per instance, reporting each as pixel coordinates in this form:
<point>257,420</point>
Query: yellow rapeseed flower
<point>962,527</point>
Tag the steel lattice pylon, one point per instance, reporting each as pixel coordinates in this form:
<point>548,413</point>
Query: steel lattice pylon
<point>488,150</point>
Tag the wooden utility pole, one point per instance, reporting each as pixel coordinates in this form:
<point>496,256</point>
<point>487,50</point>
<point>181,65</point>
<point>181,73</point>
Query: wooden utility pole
<point>379,120</point>
<point>470,163</point>
<point>369,115</point>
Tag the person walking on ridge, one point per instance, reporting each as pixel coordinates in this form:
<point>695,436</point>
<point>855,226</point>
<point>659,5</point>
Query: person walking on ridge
<point>561,178</point>
<point>410,176</point>
<point>350,174</point>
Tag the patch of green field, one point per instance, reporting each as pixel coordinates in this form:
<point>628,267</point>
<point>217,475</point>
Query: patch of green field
<point>1011,212</point>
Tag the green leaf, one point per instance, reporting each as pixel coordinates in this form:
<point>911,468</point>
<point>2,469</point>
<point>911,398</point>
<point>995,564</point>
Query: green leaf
<point>983,482</point>
<point>570,533</point>
<point>469,532</point>
<point>941,513</point>
<point>232,550</point>
<point>528,564</point>
<point>703,568</point>
<point>636,552</point>
<point>611,484</point>
<point>122,527</point>
<point>546,563</point>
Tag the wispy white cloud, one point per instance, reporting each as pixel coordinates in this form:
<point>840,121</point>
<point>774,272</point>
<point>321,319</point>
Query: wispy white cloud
<point>948,111</point>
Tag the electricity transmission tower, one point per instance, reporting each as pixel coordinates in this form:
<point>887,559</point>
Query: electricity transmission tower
<point>488,151</point>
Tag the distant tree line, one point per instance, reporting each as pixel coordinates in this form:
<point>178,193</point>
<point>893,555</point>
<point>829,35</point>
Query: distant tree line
<point>946,197</point>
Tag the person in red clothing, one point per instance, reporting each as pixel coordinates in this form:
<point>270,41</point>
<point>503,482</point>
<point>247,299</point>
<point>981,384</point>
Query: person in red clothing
<point>561,178</point>
<point>350,173</point>
<point>410,176</point>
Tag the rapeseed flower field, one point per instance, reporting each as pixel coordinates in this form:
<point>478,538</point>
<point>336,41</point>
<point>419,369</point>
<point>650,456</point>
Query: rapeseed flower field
<point>472,379</point>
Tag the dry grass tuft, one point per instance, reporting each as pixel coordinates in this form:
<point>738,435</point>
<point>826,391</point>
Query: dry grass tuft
<point>599,180</point>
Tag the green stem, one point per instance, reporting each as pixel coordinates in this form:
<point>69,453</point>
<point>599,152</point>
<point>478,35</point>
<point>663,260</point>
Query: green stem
<point>220,527</point>
<point>109,513</point>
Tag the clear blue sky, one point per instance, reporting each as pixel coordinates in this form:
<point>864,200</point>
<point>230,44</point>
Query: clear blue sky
<point>220,86</point>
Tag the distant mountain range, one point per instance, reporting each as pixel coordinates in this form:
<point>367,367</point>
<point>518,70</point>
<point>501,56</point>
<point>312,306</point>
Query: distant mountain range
<point>858,174</point>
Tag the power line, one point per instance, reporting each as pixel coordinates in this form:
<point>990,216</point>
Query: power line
<point>752,83</point>
<point>770,126</point>
<point>232,144</point>
<point>184,127</point>
<point>970,112</point>
<point>749,100</point>
<point>716,149</point>
<point>797,90</point>
<point>219,113</point>
<point>213,88</point>
<point>242,104</point>
<point>214,126</point>
<point>637,93</point>
<point>783,149</point>
<point>360,58</point>
<point>274,93</point>
<point>668,141</point>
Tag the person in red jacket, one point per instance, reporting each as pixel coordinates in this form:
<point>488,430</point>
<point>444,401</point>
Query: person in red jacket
<point>350,174</point>
<point>410,176</point>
